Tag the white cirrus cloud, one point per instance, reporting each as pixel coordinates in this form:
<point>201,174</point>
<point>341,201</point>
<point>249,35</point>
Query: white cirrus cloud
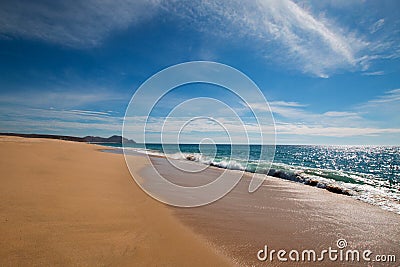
<point>374,73</point>
<point>340,114</point>
<point>320,130</point>
<point>289,34</point>
<point>389,97</point>
<point>70,23</point>
<point>377,25</point>
<point>65,99</point>
<point>283,31</point>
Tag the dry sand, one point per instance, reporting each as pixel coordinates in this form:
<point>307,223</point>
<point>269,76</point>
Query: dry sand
<point>66,203</point>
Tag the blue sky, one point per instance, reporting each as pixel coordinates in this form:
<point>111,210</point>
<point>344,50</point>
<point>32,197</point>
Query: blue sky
<point>329,69</point>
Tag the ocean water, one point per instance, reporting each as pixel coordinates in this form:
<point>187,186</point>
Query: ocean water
<point>367,173</point>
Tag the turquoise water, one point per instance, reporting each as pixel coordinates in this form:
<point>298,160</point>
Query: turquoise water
<point>368,173</point>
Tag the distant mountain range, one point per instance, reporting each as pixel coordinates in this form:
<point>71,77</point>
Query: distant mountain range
<point>116,139</point>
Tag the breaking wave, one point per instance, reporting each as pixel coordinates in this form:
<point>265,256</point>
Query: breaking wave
<point>361,186</point>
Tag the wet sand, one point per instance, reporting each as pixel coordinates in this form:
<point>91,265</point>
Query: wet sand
<point>286,215</point>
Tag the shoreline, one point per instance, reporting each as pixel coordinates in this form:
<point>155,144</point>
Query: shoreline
<point>334,187</point>
<point>283,215</point>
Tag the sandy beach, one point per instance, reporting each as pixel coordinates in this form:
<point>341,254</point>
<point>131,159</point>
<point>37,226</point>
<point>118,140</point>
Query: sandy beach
<point>67,203</point>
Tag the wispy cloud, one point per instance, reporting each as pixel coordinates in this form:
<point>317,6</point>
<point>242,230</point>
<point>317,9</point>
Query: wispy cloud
<point>313,44</point>
<point>59,99</point>
<point>299,37</point>
<point>285,109</point>
<point>66,122</point>
<point>340,114</point>
<point>286,32</point>
<point>70,23</point>
<point>77,128</point>
<point>383,109</point>
<point>89,112</point>
<point>279,107</point>
<point>390,97</point>
<point>374,73</point>
<point>53,114</point>
<point>286,104</point>
<point>377,25</point>
<point>320,130</point>
<point>59,112</point>
<point>364,119</point>
<point>294,120</point>
<point>291,24</point>
<point>195,131</point>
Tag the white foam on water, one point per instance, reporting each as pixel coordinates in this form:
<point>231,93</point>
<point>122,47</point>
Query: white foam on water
<point>365,187</point>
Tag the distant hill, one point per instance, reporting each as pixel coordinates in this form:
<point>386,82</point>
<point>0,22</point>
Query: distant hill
<point>112,139</point>
<point>116,139</point>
